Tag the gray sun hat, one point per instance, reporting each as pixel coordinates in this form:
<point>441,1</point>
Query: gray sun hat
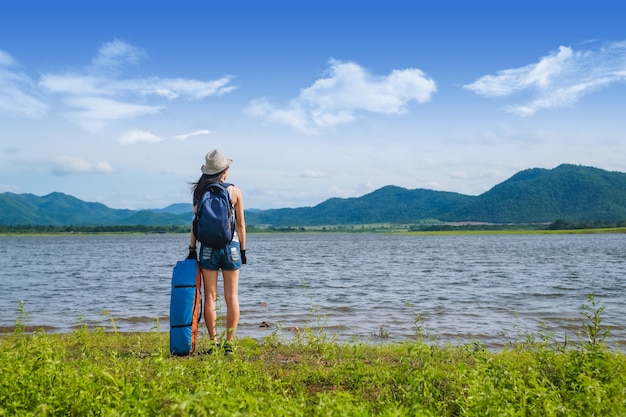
<point>215,162</point>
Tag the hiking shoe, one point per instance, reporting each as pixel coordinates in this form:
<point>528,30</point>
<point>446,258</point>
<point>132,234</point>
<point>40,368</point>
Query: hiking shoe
<point>209,351</point>
<point>228,348</point>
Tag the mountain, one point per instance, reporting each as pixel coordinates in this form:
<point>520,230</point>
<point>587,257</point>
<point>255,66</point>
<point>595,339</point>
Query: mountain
<point>178,208</point>
<point>58,209</point>
<point>567,192</point>
<point>389,204</point>
<point>570,192</point>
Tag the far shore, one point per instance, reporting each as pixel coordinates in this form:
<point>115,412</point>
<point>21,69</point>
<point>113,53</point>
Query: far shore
<point>356,229</point>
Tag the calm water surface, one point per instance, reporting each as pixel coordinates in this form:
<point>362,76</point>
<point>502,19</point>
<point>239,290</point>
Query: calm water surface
<point>363,287</point>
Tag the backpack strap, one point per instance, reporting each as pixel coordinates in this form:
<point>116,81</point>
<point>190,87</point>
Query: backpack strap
<point>229,190</point>
<point>224,185</point>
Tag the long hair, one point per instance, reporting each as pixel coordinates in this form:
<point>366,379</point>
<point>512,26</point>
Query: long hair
<point>199,188</point>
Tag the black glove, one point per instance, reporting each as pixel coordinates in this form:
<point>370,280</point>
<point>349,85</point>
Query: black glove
<point>192,254</point>
<point>243,256</point>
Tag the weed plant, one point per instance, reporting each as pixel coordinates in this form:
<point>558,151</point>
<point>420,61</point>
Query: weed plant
<point>92,372</point>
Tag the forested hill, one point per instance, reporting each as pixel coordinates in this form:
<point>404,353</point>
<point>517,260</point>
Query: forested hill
<point>58,209</point>
<point>567,192</point>
<point>389,204</point>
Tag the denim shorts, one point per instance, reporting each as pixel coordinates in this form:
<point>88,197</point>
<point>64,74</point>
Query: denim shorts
<point>227,258</point>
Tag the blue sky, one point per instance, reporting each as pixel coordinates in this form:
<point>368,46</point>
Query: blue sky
<point>118,102</point>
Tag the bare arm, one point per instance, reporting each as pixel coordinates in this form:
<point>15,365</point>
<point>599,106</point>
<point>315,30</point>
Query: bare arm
<point>192,237</point>
<point>241,222</point>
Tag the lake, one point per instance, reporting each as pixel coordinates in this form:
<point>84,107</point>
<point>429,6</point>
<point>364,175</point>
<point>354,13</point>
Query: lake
<point>356,287</point>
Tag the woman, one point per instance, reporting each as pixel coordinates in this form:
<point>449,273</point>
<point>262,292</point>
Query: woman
<point>229,259</point>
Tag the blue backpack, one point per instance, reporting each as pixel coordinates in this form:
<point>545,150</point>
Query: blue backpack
<point>214,222</point>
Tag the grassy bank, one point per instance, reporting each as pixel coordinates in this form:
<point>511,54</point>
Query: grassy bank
<point>90,372</point>
<point>610,230</point>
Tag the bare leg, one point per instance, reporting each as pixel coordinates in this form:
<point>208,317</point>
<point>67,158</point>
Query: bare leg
<point>231,296</point>
<point>210,301</point>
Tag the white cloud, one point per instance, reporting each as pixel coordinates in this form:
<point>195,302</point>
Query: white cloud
<point>143,136</point>
<point>348,89</point>
<point>557,80</point>
<point>102,95</point>
<point>136,136</point>
<point>295,116</point>
<point>18,96</point>
<point>92,113</point>
<point>114,55</point>
<point>173,88</point>
<point>75,85</point>
<point>67,165</point>
<point>188,135</point>
<point>169,88</point>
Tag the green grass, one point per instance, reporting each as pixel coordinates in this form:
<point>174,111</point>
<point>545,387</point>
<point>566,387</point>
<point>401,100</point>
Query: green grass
<point>90,372</point>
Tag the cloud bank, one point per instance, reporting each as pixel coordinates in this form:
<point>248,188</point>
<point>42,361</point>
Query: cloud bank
<point>99,94</point>
<point>18,93</point>
<point>347,89</point>
<point>558,80</point>
<point>67,165</point>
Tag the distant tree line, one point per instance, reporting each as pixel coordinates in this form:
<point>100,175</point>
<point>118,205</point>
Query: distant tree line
<point>558,224</point>
<point>471,227</point>
<point>35,229</point>
<point>561,224</point>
